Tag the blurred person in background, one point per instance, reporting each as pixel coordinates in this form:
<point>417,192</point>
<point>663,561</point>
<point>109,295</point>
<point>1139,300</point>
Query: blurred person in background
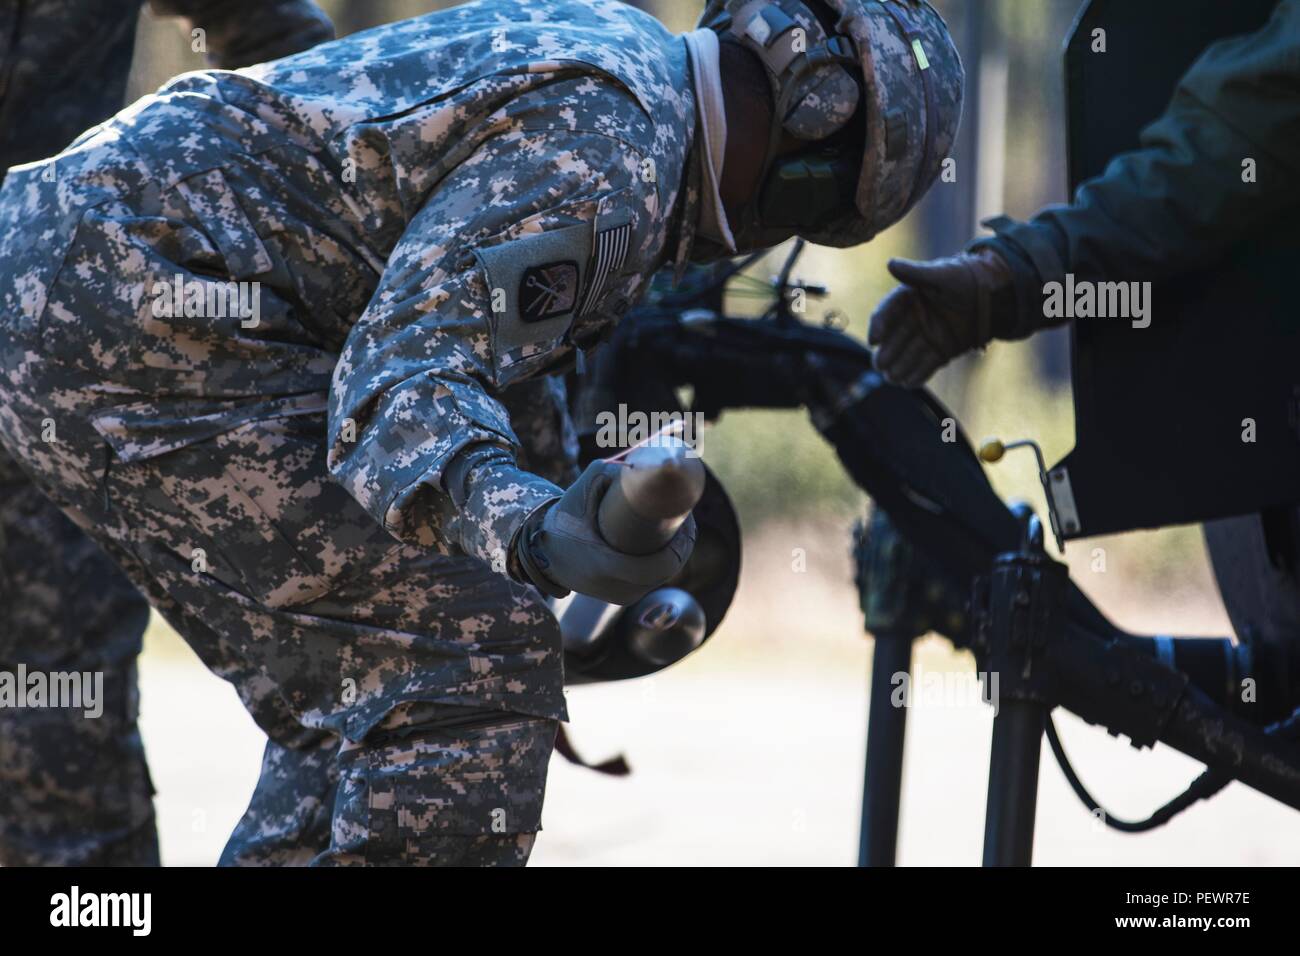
<point>1177,205</point>
<point>73,790</point>
<point>327,492</point>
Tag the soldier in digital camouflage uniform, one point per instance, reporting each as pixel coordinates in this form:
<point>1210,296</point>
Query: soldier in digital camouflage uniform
<point>324,493</point>
<point>76,791</point>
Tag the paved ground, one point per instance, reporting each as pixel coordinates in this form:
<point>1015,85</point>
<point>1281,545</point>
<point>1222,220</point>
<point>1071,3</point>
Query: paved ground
<point>744,758</point>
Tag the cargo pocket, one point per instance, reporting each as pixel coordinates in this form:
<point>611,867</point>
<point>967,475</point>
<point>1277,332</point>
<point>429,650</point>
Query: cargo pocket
<point>254,509</point>
<point>426,799</point>
<point>188,507</point>
<point>182,287</point>
<point>202,296</point>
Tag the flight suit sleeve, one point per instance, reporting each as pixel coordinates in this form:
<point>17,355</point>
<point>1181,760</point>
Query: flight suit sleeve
<point>243,32</point>
<point>1183,199</point>
<point>508,262</point>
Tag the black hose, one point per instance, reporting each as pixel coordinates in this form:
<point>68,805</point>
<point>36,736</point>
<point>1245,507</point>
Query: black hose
<point>1203,787</point>
<point>1206,785</point>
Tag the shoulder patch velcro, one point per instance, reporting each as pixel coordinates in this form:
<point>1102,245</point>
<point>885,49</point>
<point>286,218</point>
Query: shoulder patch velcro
<point>534,284</point>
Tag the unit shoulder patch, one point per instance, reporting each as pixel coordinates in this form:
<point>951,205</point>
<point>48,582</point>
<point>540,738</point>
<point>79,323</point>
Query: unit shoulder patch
<point>548,290</point>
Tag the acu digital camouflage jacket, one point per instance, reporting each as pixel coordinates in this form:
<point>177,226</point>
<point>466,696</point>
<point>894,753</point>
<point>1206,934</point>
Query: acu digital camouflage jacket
<point>432,210</point>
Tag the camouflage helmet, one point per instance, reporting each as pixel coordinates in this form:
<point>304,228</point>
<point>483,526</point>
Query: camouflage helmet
<point>813,91</point>
<point>914,79</point>
<point>911,93</point>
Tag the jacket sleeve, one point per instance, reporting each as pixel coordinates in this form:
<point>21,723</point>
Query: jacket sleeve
<point>548,440</point>
<point>478,294</point>
<point>1181,200</point>
<point>243,32</point>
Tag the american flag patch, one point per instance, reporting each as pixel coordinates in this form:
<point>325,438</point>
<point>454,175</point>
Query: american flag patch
<point>608,257</point>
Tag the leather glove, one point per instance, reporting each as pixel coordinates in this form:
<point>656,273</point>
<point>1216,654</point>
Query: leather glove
<point>559,549</point>
<point>945,307</point>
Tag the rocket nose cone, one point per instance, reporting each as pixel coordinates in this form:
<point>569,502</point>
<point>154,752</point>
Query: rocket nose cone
<point>666,625</point>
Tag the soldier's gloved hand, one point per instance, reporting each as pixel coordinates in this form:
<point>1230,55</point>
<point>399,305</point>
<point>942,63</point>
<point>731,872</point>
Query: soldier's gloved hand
<point>560,548</point>
<point>945,307</point>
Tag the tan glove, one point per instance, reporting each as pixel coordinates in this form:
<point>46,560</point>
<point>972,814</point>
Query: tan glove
<point>944,308</point>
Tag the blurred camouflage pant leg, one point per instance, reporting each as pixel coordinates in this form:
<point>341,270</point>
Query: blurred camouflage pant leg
<point>74,790</point>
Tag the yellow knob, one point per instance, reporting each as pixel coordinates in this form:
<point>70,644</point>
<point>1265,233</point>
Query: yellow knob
<point>992,450</point>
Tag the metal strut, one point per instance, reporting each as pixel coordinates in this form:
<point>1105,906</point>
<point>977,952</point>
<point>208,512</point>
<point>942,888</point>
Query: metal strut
<point>1018,611</point>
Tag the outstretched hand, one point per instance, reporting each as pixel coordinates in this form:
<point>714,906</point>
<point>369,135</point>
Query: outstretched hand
<point>944,307</point>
